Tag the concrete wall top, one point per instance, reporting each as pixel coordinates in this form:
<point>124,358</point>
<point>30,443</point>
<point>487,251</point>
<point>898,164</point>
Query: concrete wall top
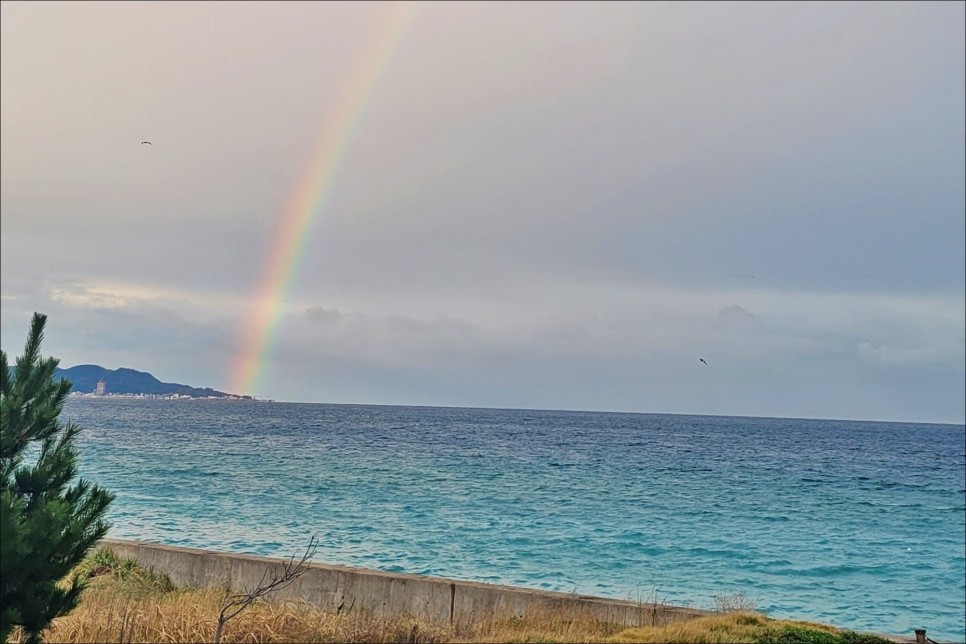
<point>335,587</point>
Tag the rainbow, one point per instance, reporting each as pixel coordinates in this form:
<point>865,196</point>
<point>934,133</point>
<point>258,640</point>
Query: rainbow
<point>309,199</point>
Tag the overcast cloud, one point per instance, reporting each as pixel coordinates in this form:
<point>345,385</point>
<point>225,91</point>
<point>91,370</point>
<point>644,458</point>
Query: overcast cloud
<point>542,205</point>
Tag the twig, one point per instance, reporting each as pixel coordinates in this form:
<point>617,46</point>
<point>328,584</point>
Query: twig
<point>279,578</point>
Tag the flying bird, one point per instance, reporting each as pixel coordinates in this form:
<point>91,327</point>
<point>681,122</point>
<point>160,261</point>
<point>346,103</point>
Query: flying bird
<point>702,360</point>
<point>146,143</point>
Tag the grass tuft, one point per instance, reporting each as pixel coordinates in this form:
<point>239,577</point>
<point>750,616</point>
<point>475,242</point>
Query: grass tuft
<point>105,562</point>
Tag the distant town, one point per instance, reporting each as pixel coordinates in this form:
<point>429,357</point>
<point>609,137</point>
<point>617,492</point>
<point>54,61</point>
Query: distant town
<point>95,381</point>
<point>103,393</point>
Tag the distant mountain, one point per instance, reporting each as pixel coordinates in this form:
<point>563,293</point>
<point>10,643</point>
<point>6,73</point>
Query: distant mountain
<point>128,381</point>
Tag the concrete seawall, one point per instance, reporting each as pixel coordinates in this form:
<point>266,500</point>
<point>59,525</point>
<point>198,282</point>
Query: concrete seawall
<point>344,588</point>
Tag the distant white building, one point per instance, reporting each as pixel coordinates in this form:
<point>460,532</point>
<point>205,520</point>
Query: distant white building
<point>101,387</point>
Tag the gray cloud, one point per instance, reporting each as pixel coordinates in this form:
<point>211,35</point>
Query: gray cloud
<point>734,311</point>
<point>541,205</point>
<point>638,349</point>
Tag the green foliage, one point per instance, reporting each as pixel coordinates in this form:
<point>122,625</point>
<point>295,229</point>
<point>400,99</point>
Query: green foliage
<point>46,524</point>
<point>850,637</point>
<point>799,635</point>
<point>105,563</point>
<point>802,635</point>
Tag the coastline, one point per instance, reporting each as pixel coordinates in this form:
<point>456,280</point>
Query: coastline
<point>401,595</point>
<point>390,594</point>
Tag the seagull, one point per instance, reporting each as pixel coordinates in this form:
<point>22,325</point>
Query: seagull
<point>146,143</point>
<point>702,360</point>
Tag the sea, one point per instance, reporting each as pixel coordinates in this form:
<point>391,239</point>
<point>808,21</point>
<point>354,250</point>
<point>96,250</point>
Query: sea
<point>857,524</point>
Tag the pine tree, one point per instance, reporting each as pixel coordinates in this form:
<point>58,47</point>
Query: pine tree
<point>47,525</point>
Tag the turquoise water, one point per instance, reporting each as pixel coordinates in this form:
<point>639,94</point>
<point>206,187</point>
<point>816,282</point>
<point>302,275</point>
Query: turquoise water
<point>859,524</point>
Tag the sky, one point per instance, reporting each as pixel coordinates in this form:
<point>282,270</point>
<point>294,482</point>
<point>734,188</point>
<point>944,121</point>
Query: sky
<point>543,205</point>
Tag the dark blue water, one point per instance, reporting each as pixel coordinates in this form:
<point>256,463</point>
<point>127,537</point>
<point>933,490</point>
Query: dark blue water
<point>859,524</point>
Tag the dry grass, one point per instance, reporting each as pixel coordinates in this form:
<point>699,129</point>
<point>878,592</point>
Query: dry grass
<point>110,612</point>
<point>715,629</point>
<point>744,627</point>
<point>545,627</point>
<point>124,603</point>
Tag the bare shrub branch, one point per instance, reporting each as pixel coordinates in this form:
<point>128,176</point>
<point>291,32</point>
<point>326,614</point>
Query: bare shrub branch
<point>275,578</point>
<point>735,602</point>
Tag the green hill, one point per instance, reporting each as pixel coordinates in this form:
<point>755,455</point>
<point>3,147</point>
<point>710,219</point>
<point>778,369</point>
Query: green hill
<point>128,381</point>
